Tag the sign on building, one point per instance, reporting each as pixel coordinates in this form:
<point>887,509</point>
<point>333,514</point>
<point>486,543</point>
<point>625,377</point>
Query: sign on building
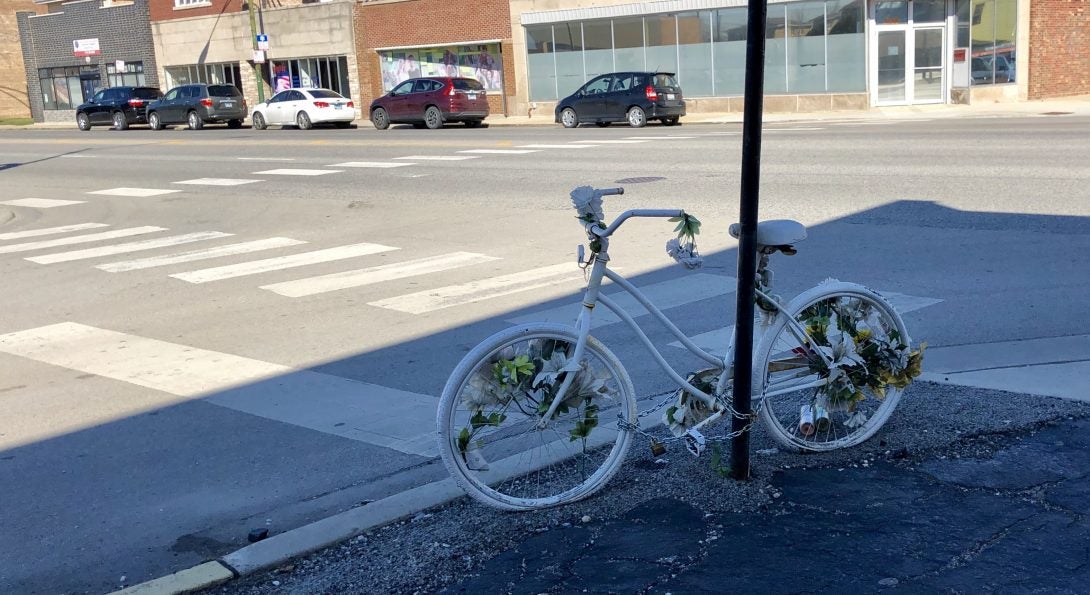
<point>262,41</point>
<point>86,47</point>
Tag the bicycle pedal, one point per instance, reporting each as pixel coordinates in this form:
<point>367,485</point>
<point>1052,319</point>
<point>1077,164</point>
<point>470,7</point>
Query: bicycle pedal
<point>657,448</point>
<point>695,442</point>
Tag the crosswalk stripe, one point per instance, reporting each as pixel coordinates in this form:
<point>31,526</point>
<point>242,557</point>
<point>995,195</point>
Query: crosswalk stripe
<point>375,164</point>
<point>376,274</point>
<point>475,291</point>
<point>205,254</point>
<point>137,192</point>
<point>329,404</point>
<point>129,247</point>
<point>437,157</point>
<point>657,137</point>
<point>45,231</point>
<point>500,151</point>
<point>570,146</point>
<point>610,142</point>
<point>282,262</point>
<point>666,294</point>
<point>716,341</point>
<point>40,203</point>
<point>93,237</point>
<point>217,182</point>
<point>296,172</point>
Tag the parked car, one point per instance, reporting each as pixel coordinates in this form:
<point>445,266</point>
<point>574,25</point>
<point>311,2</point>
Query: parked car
<point>304,108</point>
<point>119,107</point>
<point>984,73</point>
<point>198,104</point>
<point>635,97</point>
<point>431,102</point>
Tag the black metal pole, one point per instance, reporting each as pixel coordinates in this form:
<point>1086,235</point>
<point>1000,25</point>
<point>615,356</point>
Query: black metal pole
<point>747,243</point>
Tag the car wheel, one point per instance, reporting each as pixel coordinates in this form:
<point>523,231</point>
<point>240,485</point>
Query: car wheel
<point>83,122</point>
<point>259,121</point>
<point>380,119</point>
<point>234,123</point>
<point>671,121</point>
<point>569,118</point>
<point>120,123</point>
<point>154,122</point>
<point>302,120</point>
<point>636,117</point>
<point>603,124</point>
<point>433,118</point>
<point>195,121</point>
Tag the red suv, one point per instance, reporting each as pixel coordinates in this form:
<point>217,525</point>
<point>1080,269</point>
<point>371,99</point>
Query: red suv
<point>430,102</point>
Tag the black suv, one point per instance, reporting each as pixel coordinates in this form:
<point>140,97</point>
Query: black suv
<point>117,106</point>
<point>198,104</point>
<point>635,97</point>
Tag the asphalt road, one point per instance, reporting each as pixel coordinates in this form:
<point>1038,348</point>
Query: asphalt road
<point>157,407</point>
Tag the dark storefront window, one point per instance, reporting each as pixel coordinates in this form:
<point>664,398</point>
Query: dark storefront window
<point>67,87</point>
<point>132,75</point>
<point>213,74</point>
<point>323,73</point>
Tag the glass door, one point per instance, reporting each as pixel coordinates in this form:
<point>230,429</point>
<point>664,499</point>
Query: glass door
<point>892,80</point>
<point>908,49</point>
<point>927,78</point>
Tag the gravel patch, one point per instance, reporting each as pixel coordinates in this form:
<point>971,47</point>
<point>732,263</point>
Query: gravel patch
<point>445,545</point>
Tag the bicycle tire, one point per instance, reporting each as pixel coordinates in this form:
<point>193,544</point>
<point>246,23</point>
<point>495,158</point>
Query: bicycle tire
<point>782,414</point>
<point>529,468</point>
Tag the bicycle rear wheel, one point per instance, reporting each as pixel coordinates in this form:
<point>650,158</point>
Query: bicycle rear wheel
<point>490,438</point>
<point>823,419</point>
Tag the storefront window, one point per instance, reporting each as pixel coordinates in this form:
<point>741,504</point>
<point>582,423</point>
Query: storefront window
<point>776,50</point>
<point>991,27</point>
<point>597,48</point>
<point>541,62</point>
<point>477,61</point>
<point>891,12</point>
<point>628,44</point>
<point>846,46</point>
<point>806,47</point>
<point>323,73</point>
<point>67,87</point>
<point>661,35</point>
<point>729,51</point>
<point>132,75</point>
<point>570,72</point>
<point>213,74</point>
<point>694,40</point>
<point>928,11</point>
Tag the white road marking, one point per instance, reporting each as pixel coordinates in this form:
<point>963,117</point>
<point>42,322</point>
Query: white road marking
<point>41,203</point>
<point>321,402</point>
<point>791,129</point>
<point>438,157</point>
<point>500,151</point>
<point>579,146</point>
<point>129,247</point>
<point>296,172</point>
<point>93,237</point>
<point>217,182</point>
<point>377,274</point>
<point>45,231</point>
<point>137,192</point>
<point>457,295</point>
<point>667,294</point>
<point>267,158</point>
<point>218,252</point>
<point>610,142</point>
<point>716,341</point>
<point>375,164</point>
<point>282,262</point>
<point>656,137</point>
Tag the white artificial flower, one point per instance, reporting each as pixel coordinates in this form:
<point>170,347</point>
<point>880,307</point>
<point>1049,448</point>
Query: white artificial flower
<point>588,203</point>
<point>686,255</point>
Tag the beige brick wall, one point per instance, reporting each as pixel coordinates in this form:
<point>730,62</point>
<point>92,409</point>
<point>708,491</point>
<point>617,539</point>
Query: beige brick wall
<point>13,99</point>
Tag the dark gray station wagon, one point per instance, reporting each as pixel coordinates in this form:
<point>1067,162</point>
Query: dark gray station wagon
<point>198,104</point>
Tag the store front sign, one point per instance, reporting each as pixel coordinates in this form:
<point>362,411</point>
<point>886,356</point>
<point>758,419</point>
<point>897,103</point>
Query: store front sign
<point>86,47</point>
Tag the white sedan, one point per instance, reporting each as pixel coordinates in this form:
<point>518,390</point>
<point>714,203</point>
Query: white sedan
<point>304,108</point>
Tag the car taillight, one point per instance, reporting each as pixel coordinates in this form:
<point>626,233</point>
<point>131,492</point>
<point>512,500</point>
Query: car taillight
<point>350,104</point>
<point>136,102</point>
<point>450,91</point>
<point>206,102</point>
<point>652,94</point>
<point>244,106</point>
<point>321,104</point>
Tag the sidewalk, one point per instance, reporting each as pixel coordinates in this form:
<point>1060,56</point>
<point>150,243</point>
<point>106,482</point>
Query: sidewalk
<point>1077,105</point>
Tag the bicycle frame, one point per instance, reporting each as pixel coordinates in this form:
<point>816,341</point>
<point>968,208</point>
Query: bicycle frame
<point>593,296</point>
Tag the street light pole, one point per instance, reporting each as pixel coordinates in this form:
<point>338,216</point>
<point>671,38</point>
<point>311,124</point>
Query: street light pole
<point>253,40</point>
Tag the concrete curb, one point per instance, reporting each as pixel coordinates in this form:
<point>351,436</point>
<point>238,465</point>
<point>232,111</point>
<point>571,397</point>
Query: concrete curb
<point>281,548</point>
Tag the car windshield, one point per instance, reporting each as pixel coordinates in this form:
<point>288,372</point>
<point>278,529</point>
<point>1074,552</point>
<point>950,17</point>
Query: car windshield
<point>665,80</point>
<point>223,91</point>
<point>325,94</point>
<point>146,93</point>
<point>468,85</point>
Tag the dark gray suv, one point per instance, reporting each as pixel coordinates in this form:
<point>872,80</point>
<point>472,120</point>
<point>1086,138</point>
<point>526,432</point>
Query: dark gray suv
<point>198,104</point>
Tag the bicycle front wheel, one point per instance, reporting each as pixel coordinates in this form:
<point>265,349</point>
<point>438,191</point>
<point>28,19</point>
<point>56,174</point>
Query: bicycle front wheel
<point>801,408</point>
<point>493,435</point>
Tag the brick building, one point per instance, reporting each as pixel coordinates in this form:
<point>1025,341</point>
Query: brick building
<point>13,96</point>
<point>1059,42</point>
<point>81,46</point>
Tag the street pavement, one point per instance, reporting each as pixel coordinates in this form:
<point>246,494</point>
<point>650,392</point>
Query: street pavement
<point>1051,357</point>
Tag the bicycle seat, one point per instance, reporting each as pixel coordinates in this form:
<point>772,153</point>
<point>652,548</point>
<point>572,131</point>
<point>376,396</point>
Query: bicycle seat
<point>777,232</point>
